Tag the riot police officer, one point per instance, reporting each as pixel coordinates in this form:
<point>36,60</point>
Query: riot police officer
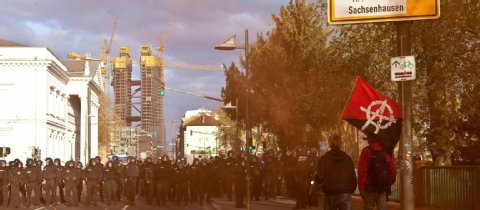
<point>229,173</point>
<point>32,179</point>
<point>194,182</point>
<point>256,174</point>
<point>203,176</point>
<point>79,183</point>
<point>50,176</point>
<point>99,164</point>
<point>60,185</point>
<point>131,173</point>
<point>181,180</point>
<point>163,175</point>
<point>121,179</point>
<point>302,179</point>
<point>70,174</point>
<point>240,171</point>
<point>92,175</point>
<point>110,178</point>
<point>4,183</point>
<point>15,176</point>
<point>149,180</point>
<point>271,174</point>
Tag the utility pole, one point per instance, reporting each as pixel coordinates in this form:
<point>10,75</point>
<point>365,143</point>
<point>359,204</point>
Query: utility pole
<point>405,89</point>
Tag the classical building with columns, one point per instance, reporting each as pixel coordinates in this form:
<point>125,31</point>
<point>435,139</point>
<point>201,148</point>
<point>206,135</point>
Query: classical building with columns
<point>49,107</point>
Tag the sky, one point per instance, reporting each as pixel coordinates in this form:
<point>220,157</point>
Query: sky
<point>197,26</point>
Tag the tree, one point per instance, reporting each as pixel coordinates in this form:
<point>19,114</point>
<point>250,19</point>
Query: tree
<point>104,127</point>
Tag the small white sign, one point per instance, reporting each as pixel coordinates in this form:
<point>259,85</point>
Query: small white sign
<point>403,68</point>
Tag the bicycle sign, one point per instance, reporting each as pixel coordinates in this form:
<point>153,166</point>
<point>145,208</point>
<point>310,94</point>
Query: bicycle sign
<point>403,68</point>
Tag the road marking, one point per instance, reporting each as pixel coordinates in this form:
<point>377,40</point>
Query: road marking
<point>125,207</point>
<point>39,208</point>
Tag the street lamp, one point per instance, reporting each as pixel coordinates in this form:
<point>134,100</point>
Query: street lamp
<point>230,44</point>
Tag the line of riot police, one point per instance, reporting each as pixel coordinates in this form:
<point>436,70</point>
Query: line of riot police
<point>157,180</point>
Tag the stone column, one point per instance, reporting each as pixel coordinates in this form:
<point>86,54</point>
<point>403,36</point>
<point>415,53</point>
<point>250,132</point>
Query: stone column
<point>84,129</point>
<point>94,129</point>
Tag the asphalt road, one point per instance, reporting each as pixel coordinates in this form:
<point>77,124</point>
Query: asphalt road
<point>123,205</point>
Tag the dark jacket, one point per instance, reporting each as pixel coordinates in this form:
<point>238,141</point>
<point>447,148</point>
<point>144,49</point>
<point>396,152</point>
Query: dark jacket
<point>149,173</point>
<point>71,174</point>
<point>32,175</point>
<point>336,173</point>
<point>163,172</point>
<point>92,173</point>
<point>50,172</point>
<point>15,175</point>
<point>110,174</point>
<point>131,170</point>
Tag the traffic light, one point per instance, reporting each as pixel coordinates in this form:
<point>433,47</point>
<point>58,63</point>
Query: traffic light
<point>162,89</point>
<point>251,147</point>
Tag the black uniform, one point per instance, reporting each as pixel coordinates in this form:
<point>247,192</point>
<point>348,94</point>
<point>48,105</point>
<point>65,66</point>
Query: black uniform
<point>149,180</point>
<point>93,175</point>
<point>204,172</point>
<point>100,184</point>
<point>60,184</point>
<point>240,171</point>
<point>302,181</point>
<point>120,180</point>
<point>15,177</point>
<point>181,179</point>
<point>229,174</point>
<point>271,175</point>
<point>194,181</point>
<point>50,175</point>
<point>32,179</point>
<point>4,183</point>
<point>110,178</point>
<point>289,173</point>
<point>70,176</point>
<point>163,174</point>
<point>79,167</point>
<point>256,173</point>
<point>131,173</point>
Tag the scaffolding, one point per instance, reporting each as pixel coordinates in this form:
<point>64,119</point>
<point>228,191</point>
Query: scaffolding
<point>122,72</point>
<point>152,112</point>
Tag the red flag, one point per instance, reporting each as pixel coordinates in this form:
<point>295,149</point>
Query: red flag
<point>375,115</point>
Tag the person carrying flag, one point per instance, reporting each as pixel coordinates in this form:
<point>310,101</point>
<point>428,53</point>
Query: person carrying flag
<point>376,174</point>
<point>380,119</point>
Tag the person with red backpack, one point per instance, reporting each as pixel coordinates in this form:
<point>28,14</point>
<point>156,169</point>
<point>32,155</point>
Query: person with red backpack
<point>376,174</point>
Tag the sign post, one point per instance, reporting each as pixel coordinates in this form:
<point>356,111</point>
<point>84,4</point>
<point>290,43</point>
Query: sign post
<point>406,139</point>
<point>404,11</point>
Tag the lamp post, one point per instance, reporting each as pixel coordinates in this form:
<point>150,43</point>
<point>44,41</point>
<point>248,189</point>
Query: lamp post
<point>231,45</point>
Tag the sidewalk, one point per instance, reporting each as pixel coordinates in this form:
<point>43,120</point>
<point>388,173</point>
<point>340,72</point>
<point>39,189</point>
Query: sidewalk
<point>288,203</point>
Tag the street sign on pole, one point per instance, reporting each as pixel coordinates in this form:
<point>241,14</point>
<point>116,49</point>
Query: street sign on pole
<point>403,68</point>
<point>363,11</point>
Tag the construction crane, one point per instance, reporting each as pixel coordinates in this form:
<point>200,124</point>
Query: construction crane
<point>193,94</point>
<point>106,48</point>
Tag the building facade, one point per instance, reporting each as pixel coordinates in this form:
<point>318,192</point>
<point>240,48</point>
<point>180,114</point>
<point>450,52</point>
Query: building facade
<point>50,108</point>
<point>198,134</point>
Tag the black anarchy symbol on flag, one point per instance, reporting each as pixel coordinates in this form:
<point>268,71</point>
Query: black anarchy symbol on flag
<point>378,115</point>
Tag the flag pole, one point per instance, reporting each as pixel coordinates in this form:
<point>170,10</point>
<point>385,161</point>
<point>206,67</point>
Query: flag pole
<point>348,100</point>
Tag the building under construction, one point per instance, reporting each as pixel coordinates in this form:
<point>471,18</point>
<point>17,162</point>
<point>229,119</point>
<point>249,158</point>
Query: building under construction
<point>141,95</point>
